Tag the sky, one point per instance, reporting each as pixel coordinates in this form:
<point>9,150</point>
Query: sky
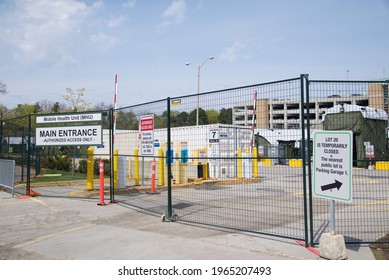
<point>47,46</point>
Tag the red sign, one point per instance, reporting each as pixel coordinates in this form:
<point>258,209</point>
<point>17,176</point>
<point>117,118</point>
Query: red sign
<point>146,127</point>
<point>147,124</point>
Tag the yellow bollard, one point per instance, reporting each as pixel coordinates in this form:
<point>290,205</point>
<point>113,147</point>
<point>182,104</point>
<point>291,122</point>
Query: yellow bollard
<point>240,164</point>
<point>136,175</point>
<point>205,171</point>
<point>255,162</point>
<point>90,169</point>
<point>115,169</point>
<point>176,175</point>
<point>160,167</point>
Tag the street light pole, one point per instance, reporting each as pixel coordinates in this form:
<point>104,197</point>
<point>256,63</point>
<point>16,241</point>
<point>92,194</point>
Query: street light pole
<point>198,87</point>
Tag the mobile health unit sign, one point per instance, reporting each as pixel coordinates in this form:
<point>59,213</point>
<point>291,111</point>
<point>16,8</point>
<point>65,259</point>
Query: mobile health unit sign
<point>66,118</point>
<point>332,165</point>
<point>85,131</point>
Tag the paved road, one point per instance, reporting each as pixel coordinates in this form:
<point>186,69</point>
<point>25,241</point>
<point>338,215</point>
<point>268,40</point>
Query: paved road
<point>77,229</point>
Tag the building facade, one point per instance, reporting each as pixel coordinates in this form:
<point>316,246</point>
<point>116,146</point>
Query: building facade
<point>286,113</point>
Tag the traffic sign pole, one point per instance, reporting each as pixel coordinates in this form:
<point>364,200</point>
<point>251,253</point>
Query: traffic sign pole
<point>332,216</point>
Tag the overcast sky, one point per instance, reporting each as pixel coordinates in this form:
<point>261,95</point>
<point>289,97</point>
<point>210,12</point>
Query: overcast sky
<point>48,45</point>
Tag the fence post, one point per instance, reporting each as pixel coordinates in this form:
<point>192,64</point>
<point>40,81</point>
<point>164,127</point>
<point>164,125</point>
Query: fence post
<point>90,169</point>
<point>28,190</point>
<point>304,112</point>
<point>136,167</point>
<point>169,164</point>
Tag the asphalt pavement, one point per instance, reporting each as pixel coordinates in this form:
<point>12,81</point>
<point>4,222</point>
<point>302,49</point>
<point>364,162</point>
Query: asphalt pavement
<point>63,228</point>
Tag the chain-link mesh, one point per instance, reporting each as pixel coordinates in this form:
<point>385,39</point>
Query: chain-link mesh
<point>239,158</point>
<point>14,146</point>
<point>359,107</point>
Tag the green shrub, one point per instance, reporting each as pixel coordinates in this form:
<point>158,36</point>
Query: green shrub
<point>107,166</point>
<point>57,163</point>
<point>83,166</point>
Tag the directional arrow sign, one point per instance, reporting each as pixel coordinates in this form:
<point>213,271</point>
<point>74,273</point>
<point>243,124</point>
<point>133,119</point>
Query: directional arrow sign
<point>332,165</point>
<point>335,185</point>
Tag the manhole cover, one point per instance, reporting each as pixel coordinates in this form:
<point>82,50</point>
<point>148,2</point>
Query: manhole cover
<point>182,205</point>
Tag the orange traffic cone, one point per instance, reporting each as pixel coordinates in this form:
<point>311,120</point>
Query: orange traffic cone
<point>34,193</point>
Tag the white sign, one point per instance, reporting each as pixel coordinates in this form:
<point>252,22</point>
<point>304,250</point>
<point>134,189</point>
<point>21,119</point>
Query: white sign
<point>332,164</point>
<point>261,151</point>
<point>214,135</point>
<point>369,151</point>
<point>69,118</point>
<point>90,135</point>
<point>146,128</point>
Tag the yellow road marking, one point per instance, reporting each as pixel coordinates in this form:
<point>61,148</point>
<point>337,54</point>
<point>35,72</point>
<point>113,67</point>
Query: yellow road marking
<point>16,202</point>
<point>54,209</point>
<point>375,205</point>
<point>51,235</point>
<point>17,216</point>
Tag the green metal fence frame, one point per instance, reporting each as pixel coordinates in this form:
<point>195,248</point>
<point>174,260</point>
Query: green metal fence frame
<point>169,214</point>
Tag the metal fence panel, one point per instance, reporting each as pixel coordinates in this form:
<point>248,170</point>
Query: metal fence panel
<point>360,107</point>
<point>7,174</point>
<point>141,141</point>
<point>238,158</point>
<point>14,146</point>
<point>220,179</point>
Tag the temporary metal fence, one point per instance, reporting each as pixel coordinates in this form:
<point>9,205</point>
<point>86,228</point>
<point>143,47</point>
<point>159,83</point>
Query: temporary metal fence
<point>241,158</point>
<point>360,107</point>
<point>7,174</point>
<point>14,141</point>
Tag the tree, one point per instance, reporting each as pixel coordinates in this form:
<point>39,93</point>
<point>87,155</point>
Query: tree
<point>75,99</point>
<point>20,114</point>
<point>102,106</point>
<point>212,116</point>
<point>56,108</point>
<point>160,121</point>
<point>225,116</point>
<point>126,120</point>
<point>182,119</point>
<point>3,112</point>
<point>203,119</point>
<point>37,108</point>
<point>3,88</point>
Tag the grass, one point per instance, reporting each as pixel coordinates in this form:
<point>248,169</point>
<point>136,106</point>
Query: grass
<point>58,175</point>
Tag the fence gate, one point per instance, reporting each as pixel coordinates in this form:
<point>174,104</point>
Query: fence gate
<point>230,184</point>
<point>238,158</point>
<point>359,107</point>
